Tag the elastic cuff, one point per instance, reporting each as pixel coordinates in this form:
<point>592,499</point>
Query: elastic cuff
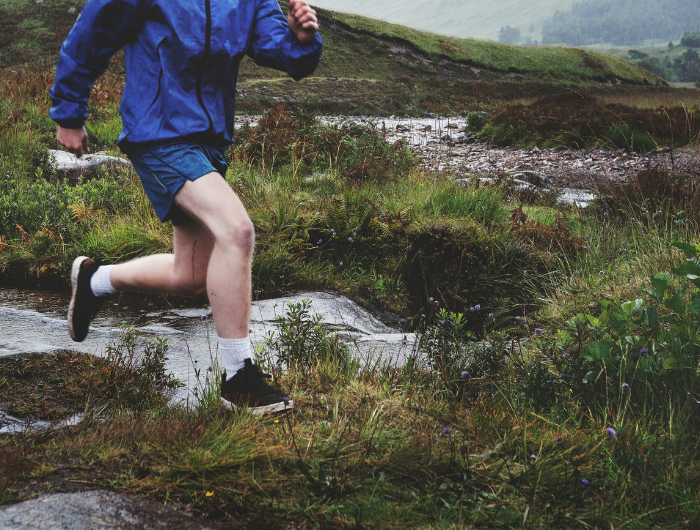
<point>71,123</point>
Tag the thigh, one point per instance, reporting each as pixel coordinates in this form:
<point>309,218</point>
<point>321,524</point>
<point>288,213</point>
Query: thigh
<point>193,245</point>
<point>212,202</point>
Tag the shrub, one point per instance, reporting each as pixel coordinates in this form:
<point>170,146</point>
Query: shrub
<point>691,39</point>
<point>624,137</point>
<point>303,342</point>
<point>475,121</point>
<point>133,380</point>
<point>462,365</point>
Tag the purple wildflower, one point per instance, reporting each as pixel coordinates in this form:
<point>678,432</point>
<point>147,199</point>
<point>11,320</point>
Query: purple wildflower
<point>446,431</point>
<point>643,352</point>
<point>464,375</point>
<point>533,457</point>
<point>477,307</point>
<point>611,433</point>
<point>625,386</point>
<point>584,482</point>
<point>350,239</point>
<point>204,318</point>
<point>538,332</point>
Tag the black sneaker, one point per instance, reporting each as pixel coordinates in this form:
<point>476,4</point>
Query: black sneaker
<point>83,303</point>
<point>248,388</point>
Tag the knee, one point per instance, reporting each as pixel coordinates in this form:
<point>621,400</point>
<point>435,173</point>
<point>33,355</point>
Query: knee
<point>239,234</point>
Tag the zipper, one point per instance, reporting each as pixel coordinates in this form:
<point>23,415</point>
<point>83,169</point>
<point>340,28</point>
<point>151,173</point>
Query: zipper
<point>200,72</point>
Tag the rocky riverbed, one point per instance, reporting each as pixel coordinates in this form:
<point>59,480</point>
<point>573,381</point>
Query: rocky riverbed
<point>443,145</point>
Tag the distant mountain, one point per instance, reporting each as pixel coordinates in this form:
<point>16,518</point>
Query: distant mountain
<point>622,22</point>
<point>476,19</point>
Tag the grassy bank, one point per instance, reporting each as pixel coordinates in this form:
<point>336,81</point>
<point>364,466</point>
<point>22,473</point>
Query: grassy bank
<point>577,430</point>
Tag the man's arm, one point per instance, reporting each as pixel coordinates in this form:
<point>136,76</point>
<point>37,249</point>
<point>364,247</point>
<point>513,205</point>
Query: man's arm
<point>102,28</point>
<point>292,45</point>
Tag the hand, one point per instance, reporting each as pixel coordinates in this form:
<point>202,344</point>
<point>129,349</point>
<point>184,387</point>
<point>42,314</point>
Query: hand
<point>302,20</point>
<point>75,140</point>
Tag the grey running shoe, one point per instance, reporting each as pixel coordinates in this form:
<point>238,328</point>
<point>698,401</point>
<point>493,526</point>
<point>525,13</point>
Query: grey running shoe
<point>249,389</point>
<point>83,303</point>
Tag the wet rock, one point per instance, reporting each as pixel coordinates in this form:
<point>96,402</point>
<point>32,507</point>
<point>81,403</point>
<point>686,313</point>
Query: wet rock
<point>540,180</point>
<point>70,167</point>
<point>12,425</point>
<point>430,115</point>
<point>95,510</point>
<point>580,198</point>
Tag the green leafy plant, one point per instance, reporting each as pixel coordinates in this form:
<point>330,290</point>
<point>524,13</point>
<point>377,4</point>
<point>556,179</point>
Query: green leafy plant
<point>640,354</point>
<point>133,380</point>
<point>303,342</point>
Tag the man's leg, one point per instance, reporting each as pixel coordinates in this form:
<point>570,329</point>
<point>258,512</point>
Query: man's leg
<point>212,202</point>
<point>183,273</point>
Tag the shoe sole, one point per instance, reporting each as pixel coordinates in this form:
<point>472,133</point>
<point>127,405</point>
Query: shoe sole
<point>74,273</point>
<point>275,408</point>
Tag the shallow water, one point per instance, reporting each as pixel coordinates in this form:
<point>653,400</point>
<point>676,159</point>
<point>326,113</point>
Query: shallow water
<point>34,322</point>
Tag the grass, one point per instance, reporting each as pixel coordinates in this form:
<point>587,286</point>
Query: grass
<point>512,432</point>
<point>380,447</point>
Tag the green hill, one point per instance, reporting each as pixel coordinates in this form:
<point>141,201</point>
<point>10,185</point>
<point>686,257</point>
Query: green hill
<point>369,66</point>
<point>457,18</point>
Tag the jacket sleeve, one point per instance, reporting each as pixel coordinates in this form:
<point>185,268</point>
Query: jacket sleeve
<point>274,45</point>
<point>102,28</point>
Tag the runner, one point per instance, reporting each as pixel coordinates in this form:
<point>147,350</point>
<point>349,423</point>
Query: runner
<point>177,110</point>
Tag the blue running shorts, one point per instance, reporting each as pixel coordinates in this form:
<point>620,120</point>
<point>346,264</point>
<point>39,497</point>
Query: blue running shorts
<point>164,167</point>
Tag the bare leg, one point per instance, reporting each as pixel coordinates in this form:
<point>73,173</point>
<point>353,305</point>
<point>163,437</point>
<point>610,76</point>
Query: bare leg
<point>223,265</point>
<point>182,273</point>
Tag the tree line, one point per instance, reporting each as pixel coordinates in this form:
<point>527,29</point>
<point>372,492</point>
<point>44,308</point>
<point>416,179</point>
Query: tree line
<point>621,23</point>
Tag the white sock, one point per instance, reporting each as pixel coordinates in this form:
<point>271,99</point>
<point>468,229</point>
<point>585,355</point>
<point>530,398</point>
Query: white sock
<point>233,353</point>
<point>100,283</point>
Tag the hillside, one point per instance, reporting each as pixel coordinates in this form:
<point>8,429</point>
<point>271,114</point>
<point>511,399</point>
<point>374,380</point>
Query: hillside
<point>369,66</point>
<point>457,18</point>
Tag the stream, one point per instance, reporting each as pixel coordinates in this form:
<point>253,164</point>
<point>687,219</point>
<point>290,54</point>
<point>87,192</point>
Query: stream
<point>33,321</point>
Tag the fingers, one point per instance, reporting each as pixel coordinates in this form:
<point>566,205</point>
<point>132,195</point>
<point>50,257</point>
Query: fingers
<point>299,9</point>
<point>74,140</point>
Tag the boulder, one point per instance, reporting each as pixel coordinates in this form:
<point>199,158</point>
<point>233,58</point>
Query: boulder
<point>72,168</point>
<point>95,510</point>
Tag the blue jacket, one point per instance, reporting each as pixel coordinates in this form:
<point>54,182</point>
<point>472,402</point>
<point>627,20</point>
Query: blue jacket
<point>182,60</point>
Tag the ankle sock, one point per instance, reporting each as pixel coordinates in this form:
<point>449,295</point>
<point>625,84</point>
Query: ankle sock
<point>233,354</point>
<point>100,283</point>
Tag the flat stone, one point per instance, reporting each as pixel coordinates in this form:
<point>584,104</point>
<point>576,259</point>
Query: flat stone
<point>94,510</point>
<point>72,167</point>
<point>579,198</point>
